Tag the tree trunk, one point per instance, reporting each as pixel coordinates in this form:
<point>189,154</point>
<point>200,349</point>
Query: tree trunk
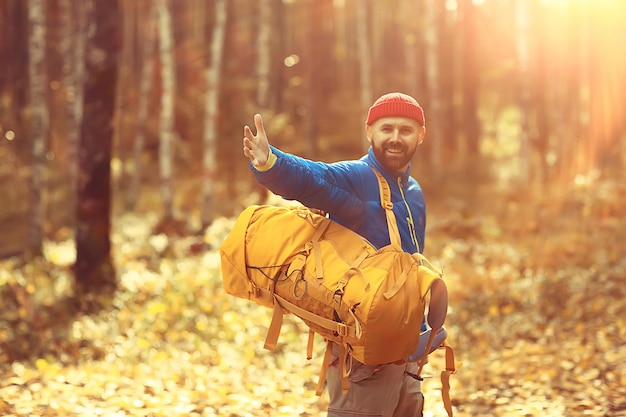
<point>470,83</point>
<point>605,36</point>
<point>364,59</point>
<point>74,54</point>
<point>541,138</point>
<point>569,104</point>
<point>211,107</point>
<point>341,44</point>
<point>125,100</point>
<point>14,49</point>
<point>448,71</point>
<point>316,61</point>
<point>145,85</point>
<point>264,53</point>
<point>524,87</point>
<point>94,269</point>
<point>38,121</point>
<point>166,58</point>
<point>432,81</point>
<point>412,50</point>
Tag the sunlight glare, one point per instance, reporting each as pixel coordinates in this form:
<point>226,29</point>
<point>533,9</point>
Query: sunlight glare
<point>291,60</point>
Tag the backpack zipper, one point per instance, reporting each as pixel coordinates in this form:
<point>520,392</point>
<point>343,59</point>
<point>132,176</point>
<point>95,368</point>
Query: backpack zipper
<point>409,219</point>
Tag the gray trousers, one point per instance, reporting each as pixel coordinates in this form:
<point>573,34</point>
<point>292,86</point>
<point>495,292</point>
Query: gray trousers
<point>375,391</point>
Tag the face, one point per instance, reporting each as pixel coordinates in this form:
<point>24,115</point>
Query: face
<point>394,141</point>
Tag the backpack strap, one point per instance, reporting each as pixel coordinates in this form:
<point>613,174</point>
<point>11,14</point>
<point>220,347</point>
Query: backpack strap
<point>281,305</point>
<point>315,246</point>
<point>437,311</point>
<point>445,378</point>
<point>324,371</point>
<point>385,201</point>
<point>438,303</point>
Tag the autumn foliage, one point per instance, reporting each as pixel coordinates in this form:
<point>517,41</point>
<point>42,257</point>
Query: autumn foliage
<point>536,318</point>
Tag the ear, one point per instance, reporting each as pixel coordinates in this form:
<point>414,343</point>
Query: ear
<point>422,133</point>
<point>368,131</point>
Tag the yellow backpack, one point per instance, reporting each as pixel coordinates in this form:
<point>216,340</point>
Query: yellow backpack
<point>370,302</point>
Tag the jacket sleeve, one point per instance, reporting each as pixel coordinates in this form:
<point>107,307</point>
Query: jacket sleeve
<point>333,187</point>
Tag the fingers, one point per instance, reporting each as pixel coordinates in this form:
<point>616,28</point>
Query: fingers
<point>260,129</point>
<point>248,153</point>
<point>258,122</point>
<point>248,146</point>
<point>247,133</point>
<point>256,147</point>
<point>249,142</point>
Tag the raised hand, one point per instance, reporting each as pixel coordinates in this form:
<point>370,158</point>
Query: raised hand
<point>256,147</point>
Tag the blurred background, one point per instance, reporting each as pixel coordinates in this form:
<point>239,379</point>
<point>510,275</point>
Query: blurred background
<point>121,162</point>
<point>517,93</point>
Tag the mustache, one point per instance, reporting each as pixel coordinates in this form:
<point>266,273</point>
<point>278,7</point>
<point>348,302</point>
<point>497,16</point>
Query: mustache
<point>396,147</point>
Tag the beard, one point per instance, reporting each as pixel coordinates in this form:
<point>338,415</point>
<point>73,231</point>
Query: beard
<point>394,156</point>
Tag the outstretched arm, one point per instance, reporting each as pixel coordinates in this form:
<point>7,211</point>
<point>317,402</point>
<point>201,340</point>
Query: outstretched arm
<point>256,147</point>
<point>329,187</point>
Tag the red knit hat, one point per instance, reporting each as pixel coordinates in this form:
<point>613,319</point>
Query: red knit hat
<point>398,105</point>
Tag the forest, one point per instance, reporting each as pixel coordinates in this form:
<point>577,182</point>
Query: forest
<point>122,173</point>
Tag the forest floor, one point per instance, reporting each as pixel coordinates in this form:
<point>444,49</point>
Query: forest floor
<point>537,320</point>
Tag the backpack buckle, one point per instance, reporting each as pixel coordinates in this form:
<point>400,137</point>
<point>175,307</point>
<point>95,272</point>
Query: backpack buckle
<point>254,290</point>
<point>342,330</point>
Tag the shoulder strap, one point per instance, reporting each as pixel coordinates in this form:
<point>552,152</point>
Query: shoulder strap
<point>385,201</point>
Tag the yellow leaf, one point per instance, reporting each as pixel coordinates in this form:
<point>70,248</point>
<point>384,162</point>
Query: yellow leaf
<point>229,317</point>
<point>202,325</point>
<point>156,307</point>
<point>42,364</point>
<point>143,343</point>
<point>494,310</point>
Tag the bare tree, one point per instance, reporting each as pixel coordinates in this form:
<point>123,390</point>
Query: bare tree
<point>341,44</point>
<point>168,77</point>
<point>606,94</point>
<point>411,47</point>
<point>264,52</point>
<point>38,120</point>
<point>469,83</point>
<point>73,50</point>
<point>94,269</point>
<point>524,86</point>
<point>364,59</point>
<point>213,75</point>
<point>433,81</point>
<point>540,139</point>
<point>145,84</point>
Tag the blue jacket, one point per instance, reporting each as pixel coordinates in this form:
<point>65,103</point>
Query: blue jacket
<point>348,191</point>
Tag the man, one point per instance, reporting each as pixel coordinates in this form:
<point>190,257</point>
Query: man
<point>348,191</point>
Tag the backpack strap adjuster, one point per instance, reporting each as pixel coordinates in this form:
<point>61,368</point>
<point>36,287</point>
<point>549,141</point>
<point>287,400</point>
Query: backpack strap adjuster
<point>342,330</point>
